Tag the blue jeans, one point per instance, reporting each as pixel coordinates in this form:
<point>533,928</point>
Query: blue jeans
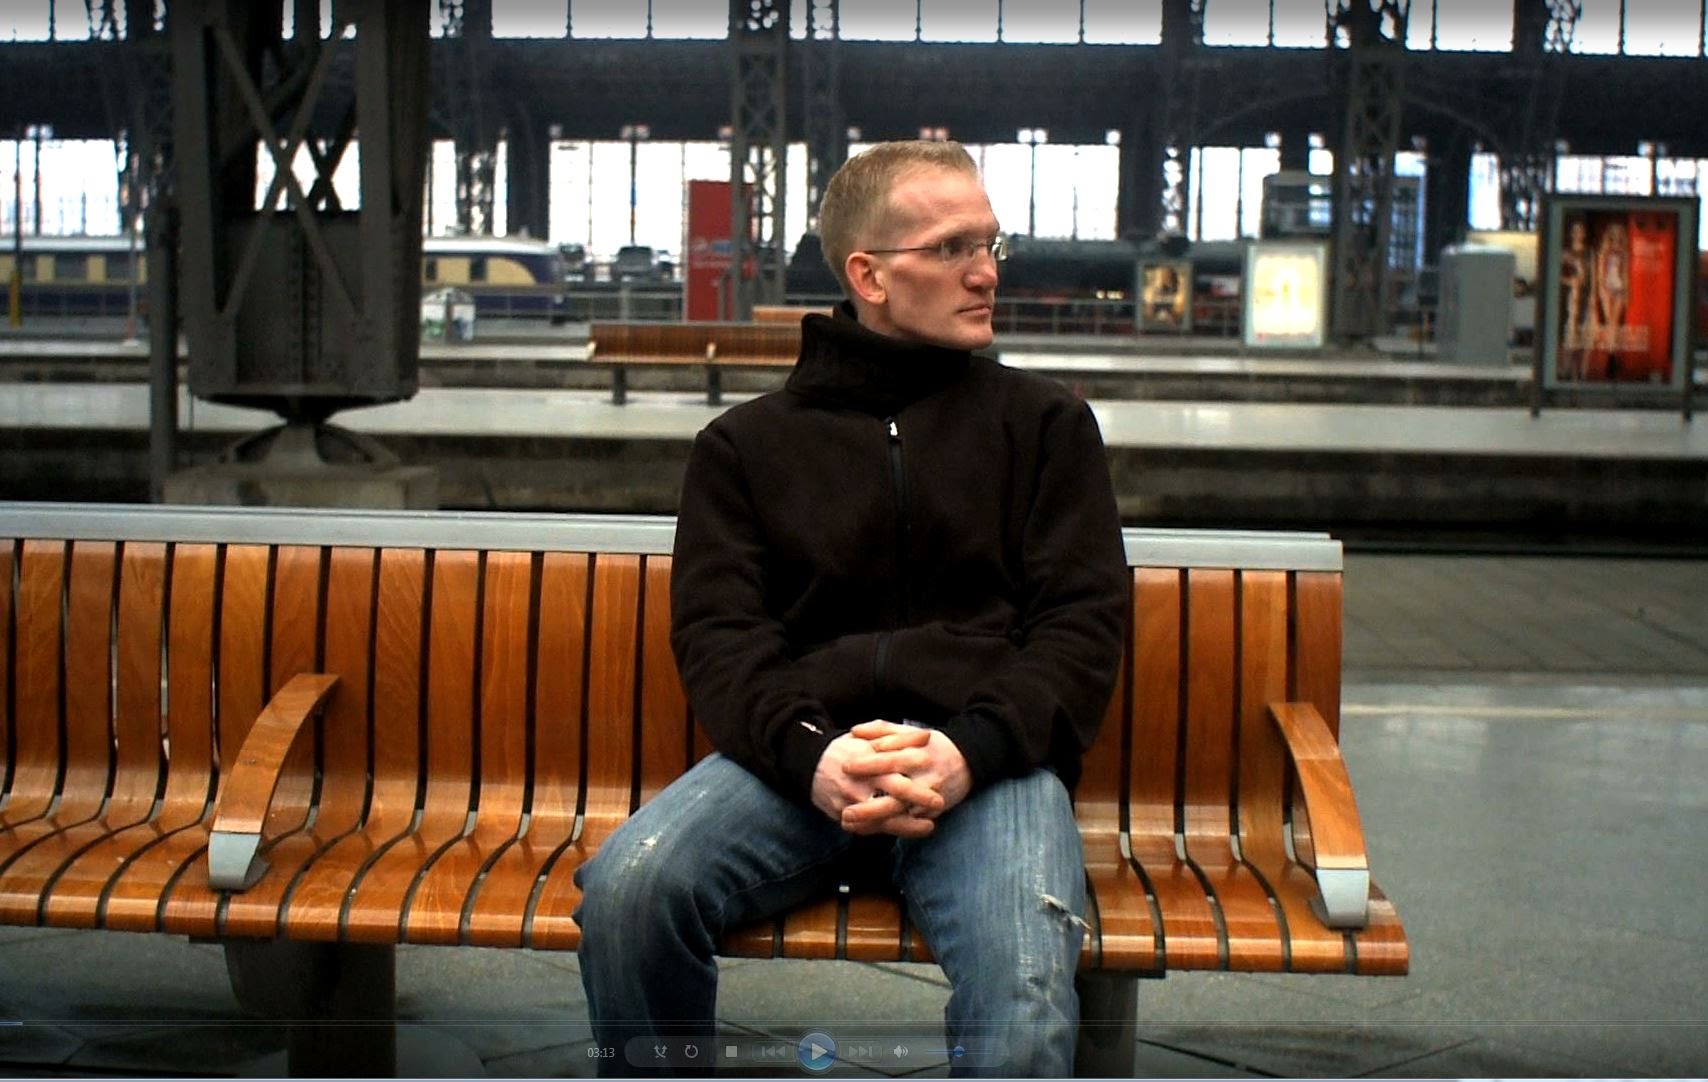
<point>719,848</point>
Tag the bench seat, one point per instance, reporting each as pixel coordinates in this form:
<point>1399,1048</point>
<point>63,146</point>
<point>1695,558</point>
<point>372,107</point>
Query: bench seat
<point>712,347</point>
<point>413,727</point>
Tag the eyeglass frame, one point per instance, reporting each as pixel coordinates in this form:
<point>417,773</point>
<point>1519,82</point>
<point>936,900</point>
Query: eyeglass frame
<point>996,245</point>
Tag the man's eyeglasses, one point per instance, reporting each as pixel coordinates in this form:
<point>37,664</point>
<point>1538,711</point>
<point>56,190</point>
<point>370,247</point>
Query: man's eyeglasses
<point>956,249</point>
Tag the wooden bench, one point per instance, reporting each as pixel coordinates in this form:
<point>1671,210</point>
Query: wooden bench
<point>786,313</point>
<point>331,732</point>
<point>710,346</point>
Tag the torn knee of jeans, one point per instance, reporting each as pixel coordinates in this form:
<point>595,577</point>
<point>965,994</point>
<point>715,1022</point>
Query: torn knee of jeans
<point>1055,904</point>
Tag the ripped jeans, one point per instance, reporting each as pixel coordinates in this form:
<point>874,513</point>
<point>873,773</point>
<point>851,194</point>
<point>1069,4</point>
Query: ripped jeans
<point>997,890</point>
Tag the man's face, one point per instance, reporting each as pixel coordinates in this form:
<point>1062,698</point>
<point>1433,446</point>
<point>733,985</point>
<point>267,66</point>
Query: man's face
<point>925,299</point>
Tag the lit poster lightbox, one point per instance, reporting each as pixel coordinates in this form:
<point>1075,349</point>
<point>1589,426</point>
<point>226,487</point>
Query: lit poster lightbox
<point>1286,294</point>
<point>1616,291</point>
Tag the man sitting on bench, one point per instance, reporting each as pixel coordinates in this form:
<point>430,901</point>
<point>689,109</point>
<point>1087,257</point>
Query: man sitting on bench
<point>898,606</point>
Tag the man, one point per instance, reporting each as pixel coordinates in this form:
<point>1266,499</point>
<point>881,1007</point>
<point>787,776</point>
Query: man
<point>898,599</point>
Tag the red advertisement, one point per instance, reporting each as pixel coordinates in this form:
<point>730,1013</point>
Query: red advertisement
<point>709,248</point>
<point>1614,315</point>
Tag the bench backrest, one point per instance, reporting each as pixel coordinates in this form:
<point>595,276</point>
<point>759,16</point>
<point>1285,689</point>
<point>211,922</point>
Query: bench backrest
<point>647,342</point>
<point>519,666</point>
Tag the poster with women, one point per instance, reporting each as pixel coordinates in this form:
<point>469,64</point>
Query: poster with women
<point>1616,291</point>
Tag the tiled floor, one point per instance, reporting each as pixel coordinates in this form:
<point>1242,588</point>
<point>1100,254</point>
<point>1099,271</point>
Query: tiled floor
<point>1529,741</point>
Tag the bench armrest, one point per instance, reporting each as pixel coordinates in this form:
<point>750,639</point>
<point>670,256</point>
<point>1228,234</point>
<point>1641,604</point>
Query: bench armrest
<point>233,860</point>
<point>1342,867</point>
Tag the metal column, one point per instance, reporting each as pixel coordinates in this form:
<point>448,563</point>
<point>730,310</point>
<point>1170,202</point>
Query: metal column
<point>292,302</point>
<point>467,49</point>
<point>821,113</point>
<point>759,44</point>
<point>1374,33</point>
<point>1542,35</point>
<point>1182,37</point>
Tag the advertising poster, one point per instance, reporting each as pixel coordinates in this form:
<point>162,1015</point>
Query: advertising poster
<point>1286,294</point>
<point>1165,296</point>
<point>709,247</point>
<point>1618,291</point>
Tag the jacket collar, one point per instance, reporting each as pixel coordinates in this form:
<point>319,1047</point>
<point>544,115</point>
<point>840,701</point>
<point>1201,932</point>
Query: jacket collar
<point>846,364</point>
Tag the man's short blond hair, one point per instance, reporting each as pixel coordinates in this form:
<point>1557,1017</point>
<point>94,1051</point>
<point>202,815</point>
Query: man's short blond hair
<point>855,211</point>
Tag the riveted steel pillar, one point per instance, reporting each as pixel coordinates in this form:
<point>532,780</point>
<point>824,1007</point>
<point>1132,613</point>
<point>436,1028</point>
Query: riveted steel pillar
<point>759,44</point>
<point>291,302</point>
<point>821,114</point>
<point>1182,37</point>
<point>1542,35</point>
<point>468,51</point>
<point>1374,33</point>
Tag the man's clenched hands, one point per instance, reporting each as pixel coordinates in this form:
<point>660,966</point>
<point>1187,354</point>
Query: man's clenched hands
<point>884,778</point>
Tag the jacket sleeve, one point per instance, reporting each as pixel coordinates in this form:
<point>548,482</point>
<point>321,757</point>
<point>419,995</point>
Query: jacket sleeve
<point>735,659</point>
<point>1046,705</point>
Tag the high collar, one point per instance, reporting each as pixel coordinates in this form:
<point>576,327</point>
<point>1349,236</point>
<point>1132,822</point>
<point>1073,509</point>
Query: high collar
<point>847,364</point>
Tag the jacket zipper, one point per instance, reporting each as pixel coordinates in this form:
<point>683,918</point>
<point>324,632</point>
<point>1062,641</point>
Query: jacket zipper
<point>898,477</point>
<point>900,488</point>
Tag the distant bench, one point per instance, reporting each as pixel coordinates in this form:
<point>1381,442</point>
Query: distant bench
<point>269,727</point>
<point>711,346</point>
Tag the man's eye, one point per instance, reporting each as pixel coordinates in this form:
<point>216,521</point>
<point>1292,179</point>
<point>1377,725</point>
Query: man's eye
<point>956,248</point>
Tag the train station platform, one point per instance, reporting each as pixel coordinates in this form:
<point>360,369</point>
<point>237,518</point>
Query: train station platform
<point>1631,473</point>
<point>1529,740</point>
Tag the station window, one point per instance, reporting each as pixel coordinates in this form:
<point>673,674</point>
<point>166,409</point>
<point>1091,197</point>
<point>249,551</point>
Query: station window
<point>70,267</point>
<point>430,269</point>
<point>477,269</point>
<point>118,267</point>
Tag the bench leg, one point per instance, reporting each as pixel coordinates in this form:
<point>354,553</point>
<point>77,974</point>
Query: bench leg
<point>714,387</point>
<point>340,999</point>
<point>619,385</point>
<point>1108,1025</point>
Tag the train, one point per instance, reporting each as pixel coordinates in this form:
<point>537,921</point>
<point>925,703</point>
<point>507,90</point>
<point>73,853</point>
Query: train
<point>84,276</point>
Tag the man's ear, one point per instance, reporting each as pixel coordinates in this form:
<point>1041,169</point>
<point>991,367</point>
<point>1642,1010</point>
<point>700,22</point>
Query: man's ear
<point>866,278</point>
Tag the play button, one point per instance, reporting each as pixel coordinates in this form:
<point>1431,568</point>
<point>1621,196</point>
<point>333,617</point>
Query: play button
<point>817,1051</point>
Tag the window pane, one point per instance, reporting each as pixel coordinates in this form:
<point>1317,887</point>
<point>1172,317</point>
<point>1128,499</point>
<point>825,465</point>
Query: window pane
<point>1301,23</point>
<point>528,19</point>
<point>956,20</point>
<point>1597,28</point>
<point>1040,20</point>
<point>608,18</point>
<point>1477,25</point>
<point>1662,28</point>
<point>1236,22</point>
<point>880,20</point>
<point>1123,22</point>
<point>24,20</point>
<point>689,19</point>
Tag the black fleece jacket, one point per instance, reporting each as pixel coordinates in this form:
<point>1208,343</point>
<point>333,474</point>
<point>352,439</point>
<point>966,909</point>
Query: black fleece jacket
<point>903,532</point>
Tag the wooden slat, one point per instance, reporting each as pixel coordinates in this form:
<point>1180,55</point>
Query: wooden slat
<point>1311,946</point>
<point>138,752</point>
<point>89,736</point>
<point>8,559</point>
<point>87,740</point>
<point>316,904</point>
<point>150,850</point>
<point>1126,929</point>
<point>1189,935</point>
<point>245,586</point>
<point>140,900</point>
<point>500,907</point>
<point>374,911</point>
<point>809,930</point>
<point>612,635</point>
<point>663,705</point>
<point>873,927</point>
<point>1252,936</point>
<point>258,911</point>
<point>38,755</point>
<point>1381,946</point>
<point>436,909</point>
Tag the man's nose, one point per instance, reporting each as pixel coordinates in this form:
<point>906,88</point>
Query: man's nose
<point>981,269</point>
